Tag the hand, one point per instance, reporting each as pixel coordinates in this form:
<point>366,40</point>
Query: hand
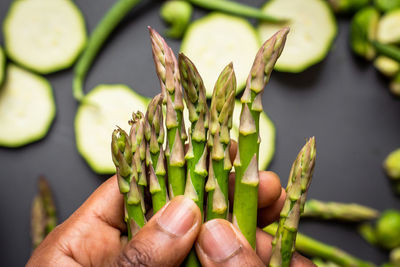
<point>93,235</point>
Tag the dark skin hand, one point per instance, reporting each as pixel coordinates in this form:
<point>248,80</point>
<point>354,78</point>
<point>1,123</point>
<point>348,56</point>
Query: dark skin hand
<point>94,234</point>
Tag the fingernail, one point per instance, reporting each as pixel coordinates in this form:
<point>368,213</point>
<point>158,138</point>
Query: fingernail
<point>178,217</point>
<point>218,241</point>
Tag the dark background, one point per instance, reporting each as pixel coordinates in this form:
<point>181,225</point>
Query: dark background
<point>342,101</point>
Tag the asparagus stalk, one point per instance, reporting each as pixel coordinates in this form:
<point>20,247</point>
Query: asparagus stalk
<point>154,134</point>
<point>127,153</point>
<point>168,74</point>
<point>196,156</point>
<point>296,191</point>
<point>44,217</point>
<point>315,248</point>
<point>222,106</point>
<point>246,162</point>
<point>339,211</point>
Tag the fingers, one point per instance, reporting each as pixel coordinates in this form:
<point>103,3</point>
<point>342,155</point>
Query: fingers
<point>264,250</point>
<point>167,238</point>
<point>269,189</point>
<point>271,213</point>
<point>221,244</point>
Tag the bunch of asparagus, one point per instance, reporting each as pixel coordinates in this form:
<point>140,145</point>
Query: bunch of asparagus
<point>203,168</point>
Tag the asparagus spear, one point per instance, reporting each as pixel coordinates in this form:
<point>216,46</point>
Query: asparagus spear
<point>338,211</point>
<point>154,134</point>
<point>44,217</point>
<point>168,74</point>
<point>296,191</point>
<point>222,106</point>
<point>246,162</point>
<point>315,248</point>
<point>196,156</point>
<point>127,154</point>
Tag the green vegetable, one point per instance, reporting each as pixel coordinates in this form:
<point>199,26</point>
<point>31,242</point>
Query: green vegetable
<point>100,110</point>
<point>347,6</point>
<point>27,107</point>
<point>388,28</point>
<point>43,213</point>
<point>177,13</point>
<point>387,50</point>
<point>395,89</point>
<point>321,263</point>
<point>235,8</point>
<point>222,106</point>
<point>99,35</point>
<point>387,66</point>
<point>246,162</point>
<point>386,232</point>
<point>392,165</point>
<point>363,31</point>
<point>300,177</point>
<point>154,134</point>
<point>44,35</point>
<point>168,73</point>
<point>196,155</point>
<point>395,256</point>
<point>2,65</point>
<point>128,153</point>
<point>313,29</point>
<point>338,211</point>
<point>387,5</point>
<point>207,37</point>
<point>315,248</point>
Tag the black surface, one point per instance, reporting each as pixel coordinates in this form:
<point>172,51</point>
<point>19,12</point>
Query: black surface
<point>343,101</point>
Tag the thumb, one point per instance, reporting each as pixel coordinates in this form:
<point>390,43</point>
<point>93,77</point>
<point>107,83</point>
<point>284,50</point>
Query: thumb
<point>221,244</point>
<point>167,238</point>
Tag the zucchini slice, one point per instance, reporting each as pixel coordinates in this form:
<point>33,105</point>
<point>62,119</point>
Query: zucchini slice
<point>2,65</point>
<point>267,135</point>
<point>312,31</point>
<point>100,111</point>
<point>389,28</point>
<point>387,66</point>
<point>44,35</point>
<point>217,39</point>
<point>27,107</point>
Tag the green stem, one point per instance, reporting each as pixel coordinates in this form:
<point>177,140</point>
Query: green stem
<point>315,248</point>
<point>235,8</point>
<point>99,35</point>
<point>390,51</point>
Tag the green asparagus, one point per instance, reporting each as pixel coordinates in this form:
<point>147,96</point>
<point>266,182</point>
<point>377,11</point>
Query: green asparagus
<point>44,217</point>
<point>127,153</point>
<point>246,161</point>
<point>311,247</point>
<point>296,192</point>
<point>177,13</point>
<point>168,74</point>
<point>339,211</point>
<point>392,167</point>
<point>222,106</point>
<point>154,134</point>
<point>321,263</point>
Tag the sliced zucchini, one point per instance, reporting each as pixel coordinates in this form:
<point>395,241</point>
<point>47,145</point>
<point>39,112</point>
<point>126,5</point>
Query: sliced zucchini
<point>2,65</point>
<point>26,107</point>
<point>387,66</point>
<point>217,39</point>
<point>105,107</point>
<point>312,31</point>
<point>44,35</point>
<point>267,135</point>
<point>389,28</point>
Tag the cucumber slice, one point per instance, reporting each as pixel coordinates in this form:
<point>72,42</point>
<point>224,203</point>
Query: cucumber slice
<point>312,31</point>
<point>26,107</point>
<point>100,111</point>
<point>44,35</point>
<point>2,65</point>
<point>389,28</point>
<point>267,135</point>
<point>217,39</point>
<point>387,66</point>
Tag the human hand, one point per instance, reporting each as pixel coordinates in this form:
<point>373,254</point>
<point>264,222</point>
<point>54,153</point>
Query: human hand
<point>93,235</point>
